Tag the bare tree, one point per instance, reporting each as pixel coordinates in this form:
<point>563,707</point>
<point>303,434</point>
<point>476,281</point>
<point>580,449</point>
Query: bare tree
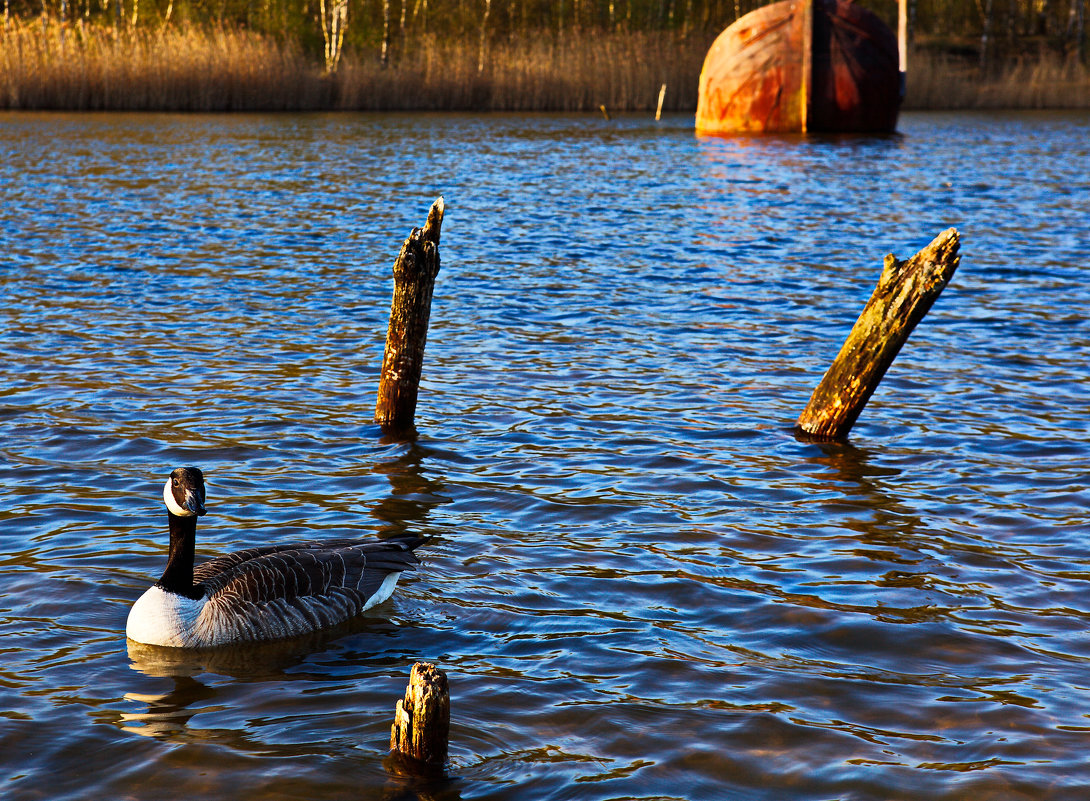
<point>334,20</point>
<point>421,7</point>
<point>1076,27</point>
<point>985,33</point>
<point>385,32</point>
<point>484,35</point>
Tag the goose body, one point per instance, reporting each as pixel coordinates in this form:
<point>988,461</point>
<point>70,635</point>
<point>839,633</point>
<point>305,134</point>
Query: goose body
<point>264,593</point>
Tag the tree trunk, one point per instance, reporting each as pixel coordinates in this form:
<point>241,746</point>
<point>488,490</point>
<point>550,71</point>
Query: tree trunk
<point>904,294</point>
<point>1076,28</point>
<point>484,36</point>
<point>422,719</point>
<point>385,32</point>
<point>334,14</point>
<point>1044,16</point>
<point>985,35</point>
<point>421,7</point>
<point>410,308</point>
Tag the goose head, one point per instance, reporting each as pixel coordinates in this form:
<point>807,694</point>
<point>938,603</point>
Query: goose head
<point>184,492</point>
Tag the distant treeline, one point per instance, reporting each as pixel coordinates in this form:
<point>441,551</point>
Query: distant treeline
<point>989,32</point>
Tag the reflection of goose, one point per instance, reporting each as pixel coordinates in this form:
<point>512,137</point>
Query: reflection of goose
<point>167,714</point>
<point>265,593</point>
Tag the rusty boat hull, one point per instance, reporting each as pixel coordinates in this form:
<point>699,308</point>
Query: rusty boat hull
<point>798,66</point>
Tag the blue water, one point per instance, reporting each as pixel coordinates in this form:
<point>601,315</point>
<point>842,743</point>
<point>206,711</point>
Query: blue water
<point>639,582</point>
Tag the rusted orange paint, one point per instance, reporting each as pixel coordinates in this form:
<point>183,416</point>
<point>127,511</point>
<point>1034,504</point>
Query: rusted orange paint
<point>752,76</point>
<point>801,65</point>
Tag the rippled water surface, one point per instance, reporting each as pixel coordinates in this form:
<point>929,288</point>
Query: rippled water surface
<point>639,582</point>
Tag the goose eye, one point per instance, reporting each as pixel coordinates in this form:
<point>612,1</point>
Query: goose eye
<point>174,481</point>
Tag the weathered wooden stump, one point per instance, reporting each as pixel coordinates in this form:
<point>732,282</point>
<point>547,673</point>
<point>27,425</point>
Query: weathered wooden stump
<point>422,719</point>
<point>410,309</point>
<point>904,294</point>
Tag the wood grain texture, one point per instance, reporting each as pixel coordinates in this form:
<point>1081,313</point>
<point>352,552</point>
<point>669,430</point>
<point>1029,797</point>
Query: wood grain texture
<point>421,726</point>
<point>905,293</point>
<point>415,270</point>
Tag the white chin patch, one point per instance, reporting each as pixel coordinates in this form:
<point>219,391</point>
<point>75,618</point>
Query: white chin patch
<point>172,505</point>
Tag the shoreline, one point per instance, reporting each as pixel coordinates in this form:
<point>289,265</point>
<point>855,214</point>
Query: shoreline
<point>89,67</point>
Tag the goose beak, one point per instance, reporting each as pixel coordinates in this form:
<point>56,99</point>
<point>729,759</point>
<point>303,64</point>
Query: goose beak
<point>193,504</point>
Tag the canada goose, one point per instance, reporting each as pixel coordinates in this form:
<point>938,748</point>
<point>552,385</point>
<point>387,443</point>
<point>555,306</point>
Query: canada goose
<point>265,593</point>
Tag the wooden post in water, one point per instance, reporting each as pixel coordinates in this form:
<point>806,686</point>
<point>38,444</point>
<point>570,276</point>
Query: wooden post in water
<point>904,294</point>
<point>422,719</point>
<point>410,308</point>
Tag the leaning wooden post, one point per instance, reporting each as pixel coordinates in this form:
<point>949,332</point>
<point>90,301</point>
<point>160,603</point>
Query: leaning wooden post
<point>422,719</point>
<point>414,281</point>
<point>905,292</point>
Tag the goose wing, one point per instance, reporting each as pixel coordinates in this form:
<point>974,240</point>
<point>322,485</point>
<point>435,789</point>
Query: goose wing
<point>281,591</point>
<point>222,565</point>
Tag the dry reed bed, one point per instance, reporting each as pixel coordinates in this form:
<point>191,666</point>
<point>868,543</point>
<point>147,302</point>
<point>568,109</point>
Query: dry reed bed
<point>938,82</point>
<point>47,66</point>
<point>622,72</point>
<point>84,67</point>
<point>44,65</point>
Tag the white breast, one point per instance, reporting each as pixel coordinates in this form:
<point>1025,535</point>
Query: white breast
<point>163,618</point>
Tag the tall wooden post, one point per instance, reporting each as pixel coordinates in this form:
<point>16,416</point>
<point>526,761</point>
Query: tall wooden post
<point>410,308</point>
<point>806,53</point>
<point>904,294</point>
<point>422,719</point>
<point>902,44</point>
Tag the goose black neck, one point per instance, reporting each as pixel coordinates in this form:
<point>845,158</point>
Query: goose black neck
<point>178,577</point>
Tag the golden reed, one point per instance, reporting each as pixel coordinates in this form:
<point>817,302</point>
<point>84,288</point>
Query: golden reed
<point>81,67</point>
<point>1044,81</point>
<point>44,65</point>
<point>78,67</point>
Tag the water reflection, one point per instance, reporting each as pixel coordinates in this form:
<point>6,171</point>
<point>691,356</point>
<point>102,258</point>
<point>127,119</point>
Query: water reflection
<point>413,493</point>
<point>168,714</point>
<point>847,462</point>
<point>413,781</point>
<point>251,661</point>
